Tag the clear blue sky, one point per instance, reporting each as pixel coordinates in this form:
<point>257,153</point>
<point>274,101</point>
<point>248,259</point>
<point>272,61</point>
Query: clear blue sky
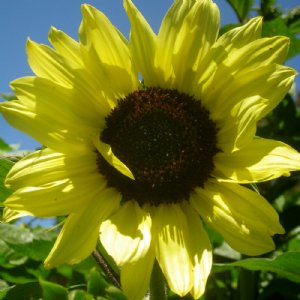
<point>33,18</point>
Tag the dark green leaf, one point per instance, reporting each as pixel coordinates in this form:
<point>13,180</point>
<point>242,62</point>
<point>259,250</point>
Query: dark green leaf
<point>278,27</point>
<point>285,265</point>
<point>293,20</point>
<point>241,7</point>
<point>15,235</point>
<point>280,289</point>
<point>96,284</point>
<point>31,290</point>
<point>39,247</point>
<point>114,293</point>
<point>81,295</point>
<point>53,291</point>
<point>4,146</point>
<point>8,97</point>
<point>268,9</point>
<point>5,166</point>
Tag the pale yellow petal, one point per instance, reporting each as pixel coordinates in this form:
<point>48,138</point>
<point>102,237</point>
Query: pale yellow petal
<point>80,233</point>
<point>171,233</point>
<point>232,39</point>
<point>143,43</point>
<point>259,53</point>
<point>195,36</point>
<point>48,63</point>
<point>77,111</point>
<point>126,240</point>
<point>200,251</point>
<point>111,49</point>
<point>166,40</point>
<point>48,130</point>
<point>49,183</point>
<point>10,214</point>
<point>135,278</point>
<point>261,160</point>
<point>244,218</point>
<point>107,153</point>
<point>66,46</point>
<point>239,126</point>
<point>271,82</point>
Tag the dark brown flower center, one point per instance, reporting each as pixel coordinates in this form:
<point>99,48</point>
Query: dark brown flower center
<point>167,140</point>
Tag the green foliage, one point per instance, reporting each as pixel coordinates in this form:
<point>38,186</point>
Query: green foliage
<point>4,146</point>
<point>23,276</point>
<point>279,27</point>
<point>5,166</point>
<point>286,265</point>
<point>8,97</point>
<point>241,8</point>
<point>292,20</point>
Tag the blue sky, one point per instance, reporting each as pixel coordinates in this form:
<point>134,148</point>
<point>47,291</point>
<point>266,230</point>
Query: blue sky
<point>33,18</point>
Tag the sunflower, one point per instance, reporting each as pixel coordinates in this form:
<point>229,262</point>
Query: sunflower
<point>147,138</point>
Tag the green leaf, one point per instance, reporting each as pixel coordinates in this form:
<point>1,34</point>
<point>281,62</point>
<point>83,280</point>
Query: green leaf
<point>241,7</point>
<point>268,9</point>
<point>31,290</point>
<point>8,97</point>
<point>12,234</point>
<point>278,27</point>
<point>5,166</point>
<point>4,146</point>
<point>39,247</point>
<point>293,20</point>
<point>80,295</point>
<point>53,291</point>
<point>96,284</point>
<point>285,265</point>
<point>114,293</point>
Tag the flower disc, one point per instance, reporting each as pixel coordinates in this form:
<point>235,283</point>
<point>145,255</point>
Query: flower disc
<point>167,140</point>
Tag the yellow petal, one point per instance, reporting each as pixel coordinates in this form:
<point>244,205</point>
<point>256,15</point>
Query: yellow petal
<point>106,39</point>
<point>126,240</point>
<point>239,127</point>
<point>173,247</point>
<point>166,39</point>
<point>67,105</point>
<point>195,36</point>
<point>244,218</point>
<point>49,183</point>
<point>106,151</point>
<point>135,278</point>
<point>200,251</point>
<point>111,48</point>
<point>271,82</point>
<point>259,53</point>
<point>232,39</point>
<point>44,130</point>
<point>261,160</point>
<point>143,43</point>
<point>66,46</point>
<point>47,63</point>
<point>10,214</point>
<point>79,234</point>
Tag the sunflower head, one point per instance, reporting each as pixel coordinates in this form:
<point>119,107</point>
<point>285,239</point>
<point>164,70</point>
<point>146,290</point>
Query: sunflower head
<point>167,140</point>
<point>141,164</point>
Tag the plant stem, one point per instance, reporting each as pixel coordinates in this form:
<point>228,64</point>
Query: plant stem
<point>106,268</point>
<point>157,284</point>
<point>247,285</point>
